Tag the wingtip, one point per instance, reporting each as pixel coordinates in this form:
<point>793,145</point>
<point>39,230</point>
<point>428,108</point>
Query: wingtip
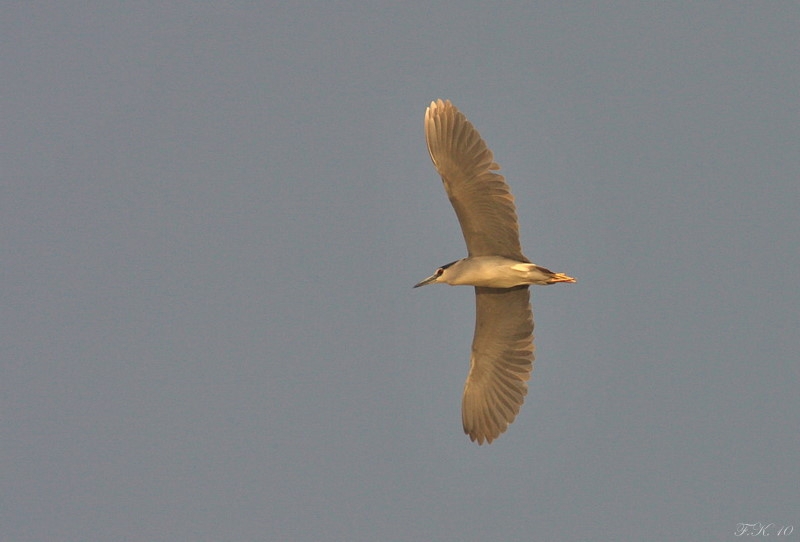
<point>440,103</point>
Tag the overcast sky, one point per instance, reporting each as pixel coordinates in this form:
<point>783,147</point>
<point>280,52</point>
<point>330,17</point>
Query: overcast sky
<point>212,218</point>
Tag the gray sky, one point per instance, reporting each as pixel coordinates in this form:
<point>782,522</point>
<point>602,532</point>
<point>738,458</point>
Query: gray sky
<point>212,219</point>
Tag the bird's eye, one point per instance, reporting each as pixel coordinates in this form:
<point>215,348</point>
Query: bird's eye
<point>439,272</point>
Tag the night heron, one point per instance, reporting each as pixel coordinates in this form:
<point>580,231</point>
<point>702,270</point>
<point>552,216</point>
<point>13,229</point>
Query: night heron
<point>502,348</point>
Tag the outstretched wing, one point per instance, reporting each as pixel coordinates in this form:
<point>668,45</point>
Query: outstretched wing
<point>481,198</point>
<point>501,364</point>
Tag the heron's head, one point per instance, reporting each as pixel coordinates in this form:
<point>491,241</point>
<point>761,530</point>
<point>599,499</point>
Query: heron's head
<point>438,276</point>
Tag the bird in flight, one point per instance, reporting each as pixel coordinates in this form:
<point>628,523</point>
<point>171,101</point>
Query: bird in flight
<point>502,347</point>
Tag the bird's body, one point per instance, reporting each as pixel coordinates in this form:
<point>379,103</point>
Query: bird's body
<point>494,272</point>
<point>502,347</point>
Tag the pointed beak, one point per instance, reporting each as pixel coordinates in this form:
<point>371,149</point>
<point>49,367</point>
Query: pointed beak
<point>428,280</point>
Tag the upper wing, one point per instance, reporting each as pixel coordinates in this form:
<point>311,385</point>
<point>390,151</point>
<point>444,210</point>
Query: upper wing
<point>482,200</point>
<point>501,364</point>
